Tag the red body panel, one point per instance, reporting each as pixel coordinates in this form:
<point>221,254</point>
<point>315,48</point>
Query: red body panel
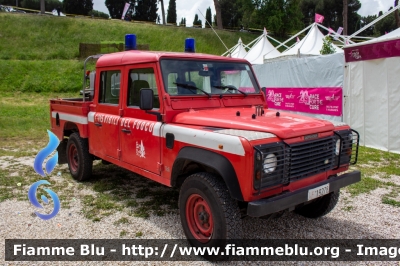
<point>136,139</point>
<point>284,126</point>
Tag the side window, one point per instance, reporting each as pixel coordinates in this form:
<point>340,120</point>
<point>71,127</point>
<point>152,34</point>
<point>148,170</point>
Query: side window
<point>110,86</point>
<point>139,79</point>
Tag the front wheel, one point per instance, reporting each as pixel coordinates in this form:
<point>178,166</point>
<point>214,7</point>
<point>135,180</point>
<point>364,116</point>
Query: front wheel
<point>80,161</point>
<point>209,215</point>
<point>319,207</point>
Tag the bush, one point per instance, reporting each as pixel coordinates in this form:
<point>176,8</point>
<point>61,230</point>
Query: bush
<point>98,14</point>
<point>327,47</point>
<point>49,5</point>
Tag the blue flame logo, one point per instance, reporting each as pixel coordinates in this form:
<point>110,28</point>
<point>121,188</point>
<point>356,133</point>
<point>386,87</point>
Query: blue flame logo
<point>51,163</point>
<point>32,198</point>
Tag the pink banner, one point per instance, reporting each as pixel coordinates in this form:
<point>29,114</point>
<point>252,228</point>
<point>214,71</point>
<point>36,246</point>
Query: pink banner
<point>372,51</point>
<point>326,101</point>
<point>319,18</point>
<point>126,7</point>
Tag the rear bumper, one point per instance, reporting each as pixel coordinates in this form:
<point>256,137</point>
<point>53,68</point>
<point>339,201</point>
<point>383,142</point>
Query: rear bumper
<point>282,202</point>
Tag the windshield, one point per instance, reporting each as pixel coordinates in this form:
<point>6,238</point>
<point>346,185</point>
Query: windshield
<point>188,77</point>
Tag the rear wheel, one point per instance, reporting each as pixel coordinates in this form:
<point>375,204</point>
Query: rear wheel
<point>80,161</point>
<point>319,207</point>
<point>209,215</point>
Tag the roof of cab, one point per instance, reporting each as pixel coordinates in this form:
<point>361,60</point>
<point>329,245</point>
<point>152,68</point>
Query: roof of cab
<point>136,57</point>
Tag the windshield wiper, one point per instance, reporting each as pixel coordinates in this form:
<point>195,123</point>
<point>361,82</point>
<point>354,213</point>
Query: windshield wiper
<point>230,87</point>
<point>189,87</point>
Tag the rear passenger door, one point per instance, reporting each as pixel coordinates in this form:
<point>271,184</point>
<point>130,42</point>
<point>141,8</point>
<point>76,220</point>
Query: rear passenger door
<point>139,130</point>
<point>104,121</point>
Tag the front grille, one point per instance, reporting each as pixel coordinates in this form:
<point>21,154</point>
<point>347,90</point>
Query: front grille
<point>311,158</point>
<point>293,161</point>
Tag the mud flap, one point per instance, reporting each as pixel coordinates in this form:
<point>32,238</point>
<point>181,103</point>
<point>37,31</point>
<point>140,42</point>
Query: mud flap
<point>62,152</point>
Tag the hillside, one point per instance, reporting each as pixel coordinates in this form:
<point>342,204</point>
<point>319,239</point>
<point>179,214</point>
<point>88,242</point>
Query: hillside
<point>40,53</point>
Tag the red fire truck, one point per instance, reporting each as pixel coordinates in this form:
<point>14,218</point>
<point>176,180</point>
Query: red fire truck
<point>200,123</point>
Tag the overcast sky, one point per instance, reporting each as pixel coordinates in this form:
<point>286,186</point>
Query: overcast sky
<point>189,8</point>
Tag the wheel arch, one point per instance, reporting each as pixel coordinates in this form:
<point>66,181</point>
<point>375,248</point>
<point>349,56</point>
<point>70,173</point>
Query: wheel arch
<point>68,129</point>
<point>206,160</point>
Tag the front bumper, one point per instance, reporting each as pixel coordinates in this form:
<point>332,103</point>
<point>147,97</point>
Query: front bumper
<point>282,202</point>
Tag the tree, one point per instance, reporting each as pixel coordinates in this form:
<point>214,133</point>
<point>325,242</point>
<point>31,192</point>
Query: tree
<point>229,13</point>
<point>98,14</point>
<point>162,11</point>
<point>332,10</point>
<point>7,2</point>
<point>50,5</point>
<point>247,12</point>
<point>78,7</point>
<point>234,11</point>
<point>197,21</point>
<point>42,7</point>
<point>171,12</point>
<point>345,9</point>
<point>386,24</point>
<point>146,10</point>
<point>327,47</point>
<point>115,8</point>
<point>183,22</point>
<point>208,17</point>
<point>218,12</point>
<point>396,14</point>
<point>365,21</point>
<point>280,16</point>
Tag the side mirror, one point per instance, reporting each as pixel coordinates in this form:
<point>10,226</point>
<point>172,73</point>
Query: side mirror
<point>146,99</point>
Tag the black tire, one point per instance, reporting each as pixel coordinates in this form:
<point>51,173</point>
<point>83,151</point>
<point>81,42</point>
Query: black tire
<point>320,207</point>
<point>80,161</point>
<point>218,215</point>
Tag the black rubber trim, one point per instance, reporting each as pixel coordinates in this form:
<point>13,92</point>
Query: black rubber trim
<point>62,152</point>
<point>214,160</point>
<point>169,140</point>
<point>282,202</point>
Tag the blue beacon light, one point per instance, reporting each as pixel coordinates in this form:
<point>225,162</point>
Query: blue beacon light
<point>190,45</point>
<point>130,42</point>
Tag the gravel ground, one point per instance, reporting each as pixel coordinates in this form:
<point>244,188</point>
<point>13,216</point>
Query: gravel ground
<point>360,217</point>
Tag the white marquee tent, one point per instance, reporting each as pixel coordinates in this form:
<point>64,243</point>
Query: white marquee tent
<point>261,47</point>
<point>310,45</point>
<point>372,82</point>
<point>238,51</point>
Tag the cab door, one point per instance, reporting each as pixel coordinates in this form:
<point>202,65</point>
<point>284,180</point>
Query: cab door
<point>104,117</point>
<point>139,130</point>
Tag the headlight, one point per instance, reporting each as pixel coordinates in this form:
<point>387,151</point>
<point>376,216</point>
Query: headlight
<point>270,163</point>
<point>337,149</point>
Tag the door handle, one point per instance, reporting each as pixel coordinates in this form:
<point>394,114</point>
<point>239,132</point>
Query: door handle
<point>97,124</point>
<point>126,130</point>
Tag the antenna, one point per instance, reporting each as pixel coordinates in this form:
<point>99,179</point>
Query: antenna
<point>229,53</point>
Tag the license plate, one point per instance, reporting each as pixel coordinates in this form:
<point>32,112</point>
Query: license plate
<point>318,192</point>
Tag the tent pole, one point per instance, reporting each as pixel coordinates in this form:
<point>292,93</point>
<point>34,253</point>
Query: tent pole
<point>276,48</point>
<point>230,50</point>
<point>276,41</point>
<point>336,35</point>
<point>294,36</point>
<point>298,51</point>
<point>255,40</point>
